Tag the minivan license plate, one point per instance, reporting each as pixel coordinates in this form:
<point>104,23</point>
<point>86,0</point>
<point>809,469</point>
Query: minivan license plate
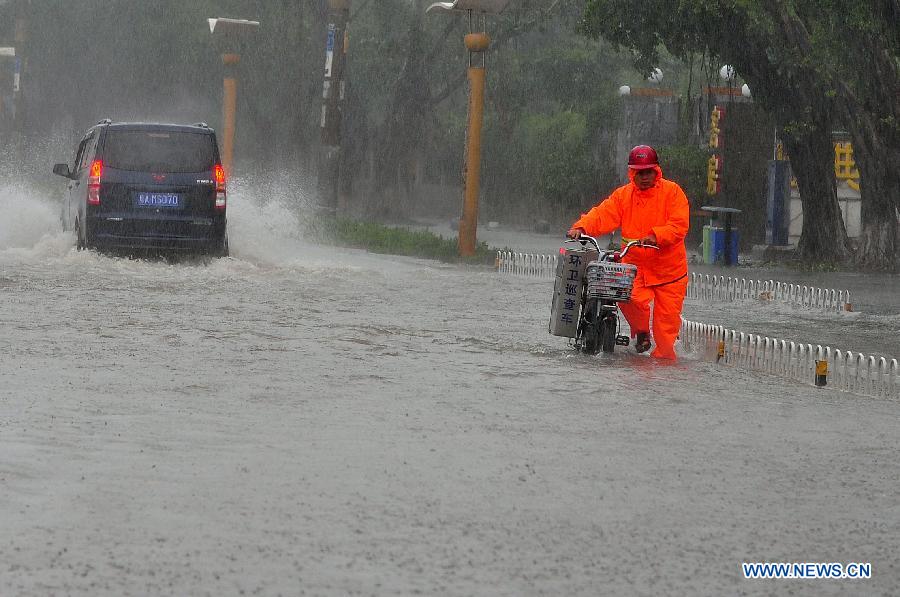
<point>168,200</point>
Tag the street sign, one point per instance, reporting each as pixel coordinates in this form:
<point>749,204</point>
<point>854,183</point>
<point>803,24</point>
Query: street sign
<point>329,49</point>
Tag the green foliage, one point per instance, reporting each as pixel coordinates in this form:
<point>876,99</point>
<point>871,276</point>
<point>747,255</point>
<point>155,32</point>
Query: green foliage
<point>686,165</point>
<point>549,156</point>
<point>550,91</point>
<point>814,65</point>
<point>378,238</point>
<point>559,147</point>
<point>551,98</point>
<point>157,61</point>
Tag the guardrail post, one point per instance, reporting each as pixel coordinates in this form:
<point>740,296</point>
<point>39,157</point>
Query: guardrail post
<point>840,369</point>
<point>883,373</point>
<point>895,378</point>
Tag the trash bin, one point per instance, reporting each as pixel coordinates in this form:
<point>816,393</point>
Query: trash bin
<point>714,246</point>
<point>721,239</point>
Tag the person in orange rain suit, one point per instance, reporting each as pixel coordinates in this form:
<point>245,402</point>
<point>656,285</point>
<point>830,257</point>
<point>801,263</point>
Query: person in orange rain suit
<point>655,211</point>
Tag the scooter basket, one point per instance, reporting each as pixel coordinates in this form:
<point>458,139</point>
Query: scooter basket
<point>610,281</point>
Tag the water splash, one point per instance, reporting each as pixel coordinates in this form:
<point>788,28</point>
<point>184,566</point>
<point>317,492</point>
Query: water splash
<point>30,222</point>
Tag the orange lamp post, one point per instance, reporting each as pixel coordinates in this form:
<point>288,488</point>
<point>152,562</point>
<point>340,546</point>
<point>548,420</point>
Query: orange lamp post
<point>477,44</point>
<point>231,35</point>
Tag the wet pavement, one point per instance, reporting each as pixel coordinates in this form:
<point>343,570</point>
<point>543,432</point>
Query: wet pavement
<point>872,328</point>
<point>301,419</point>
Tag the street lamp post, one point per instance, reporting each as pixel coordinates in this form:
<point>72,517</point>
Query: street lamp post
<point>477,43</point>
<point>231,35</point>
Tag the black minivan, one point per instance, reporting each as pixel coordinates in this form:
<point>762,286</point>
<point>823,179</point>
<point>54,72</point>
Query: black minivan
<point>147,186</point>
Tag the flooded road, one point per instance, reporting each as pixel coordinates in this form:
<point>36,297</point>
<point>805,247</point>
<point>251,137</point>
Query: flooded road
<point>300,419</point>
<point>873,326</point>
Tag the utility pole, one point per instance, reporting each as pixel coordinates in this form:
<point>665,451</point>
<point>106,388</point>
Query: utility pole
<point>334,90</point>
<point>12,62</point>
<point>7,105</point>
<point>21,37</point>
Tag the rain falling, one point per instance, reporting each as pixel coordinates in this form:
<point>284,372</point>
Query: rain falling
<point>278,280</point>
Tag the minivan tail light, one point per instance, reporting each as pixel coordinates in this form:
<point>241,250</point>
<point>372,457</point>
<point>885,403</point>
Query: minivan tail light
<point>94,183</point>
<point>219,177</point>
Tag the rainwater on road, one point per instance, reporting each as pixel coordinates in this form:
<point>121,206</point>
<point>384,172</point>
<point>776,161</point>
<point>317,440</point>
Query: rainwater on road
<point>300,419</point>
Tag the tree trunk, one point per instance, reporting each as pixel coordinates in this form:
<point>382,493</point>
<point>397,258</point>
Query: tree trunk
<point>879,188</point>
<point>876,150</point>
<point>868,107</point>
<point>824,237</point>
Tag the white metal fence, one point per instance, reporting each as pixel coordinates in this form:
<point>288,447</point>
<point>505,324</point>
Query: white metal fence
<point>526,264</point>
<point>703,287</point>
<point>719,288</point>
<point>848,371</point>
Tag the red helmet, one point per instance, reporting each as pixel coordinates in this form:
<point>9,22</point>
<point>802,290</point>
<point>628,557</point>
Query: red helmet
<point>642,157</point>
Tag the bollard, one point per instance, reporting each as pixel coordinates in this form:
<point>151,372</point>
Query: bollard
<point>821,373</point>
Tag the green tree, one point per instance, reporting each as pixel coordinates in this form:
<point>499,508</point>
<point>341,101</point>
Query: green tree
<point>855,47</point>
<point>808,64</point>
<point>742,34</point>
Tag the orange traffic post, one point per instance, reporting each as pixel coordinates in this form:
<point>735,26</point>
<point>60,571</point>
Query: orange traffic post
<point>477,44</point>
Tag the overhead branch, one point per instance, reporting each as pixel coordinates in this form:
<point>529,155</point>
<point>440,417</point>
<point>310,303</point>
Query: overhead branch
<point>502,38</point>
<point>359,8</point>
<point>449,90</point>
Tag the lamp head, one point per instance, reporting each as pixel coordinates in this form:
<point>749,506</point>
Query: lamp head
<point>232,35</point>
<point>232,27</point>
<point>727,74</point>
<point>487,7</point>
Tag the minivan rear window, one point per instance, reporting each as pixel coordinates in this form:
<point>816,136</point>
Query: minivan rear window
<point>159,151</point>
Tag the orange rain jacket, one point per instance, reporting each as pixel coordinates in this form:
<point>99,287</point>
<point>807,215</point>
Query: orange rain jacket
<point>662,209</point>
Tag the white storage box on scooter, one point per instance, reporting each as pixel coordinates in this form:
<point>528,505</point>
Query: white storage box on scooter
<point>569,287</point>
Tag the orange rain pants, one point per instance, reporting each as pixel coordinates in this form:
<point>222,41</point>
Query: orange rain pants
<point>667,302</point>
<point>663,210</point>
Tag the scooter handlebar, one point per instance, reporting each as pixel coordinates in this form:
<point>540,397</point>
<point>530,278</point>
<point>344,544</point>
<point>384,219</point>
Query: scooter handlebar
<point>584,239</point>
<point>639,244</point>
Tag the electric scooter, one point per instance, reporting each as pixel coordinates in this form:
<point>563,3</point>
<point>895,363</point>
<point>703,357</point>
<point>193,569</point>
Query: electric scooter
<point>605,282</point>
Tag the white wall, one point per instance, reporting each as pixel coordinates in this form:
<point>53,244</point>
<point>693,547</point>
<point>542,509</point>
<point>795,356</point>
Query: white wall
<point>851,210</point>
